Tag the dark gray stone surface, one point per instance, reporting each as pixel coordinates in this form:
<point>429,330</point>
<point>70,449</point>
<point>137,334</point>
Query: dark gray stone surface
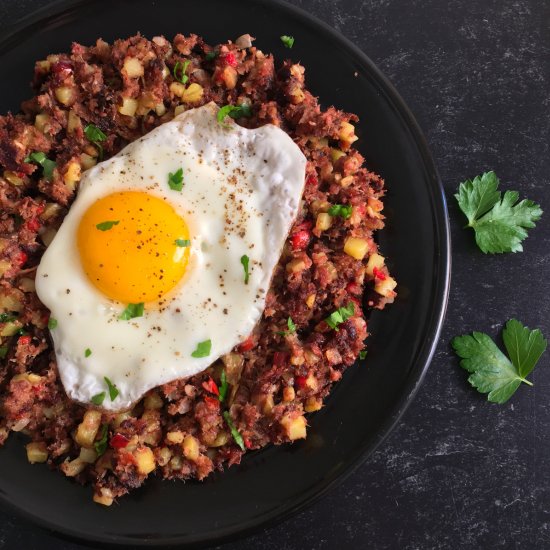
<point>457,472</point>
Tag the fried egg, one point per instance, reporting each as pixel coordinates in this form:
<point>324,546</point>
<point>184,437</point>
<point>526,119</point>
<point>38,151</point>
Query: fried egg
<point>165,258</point>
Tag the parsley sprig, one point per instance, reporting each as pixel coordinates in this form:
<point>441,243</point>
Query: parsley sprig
<point>175,180</point>
<point>288,41</point>
<point>233,111</point>
<point>203,349</point>
<point>234,432</point>
<point>179,71</point>
<point>340,315</point>
<point>291,328</point>
<point>42,160</point>
<point>96,136</point>
<point>342,210</point>
<point>105,226</point>
<point>491,371</point>
<point>245,260</point>
<point>131,311</point>
<point>499,221</point>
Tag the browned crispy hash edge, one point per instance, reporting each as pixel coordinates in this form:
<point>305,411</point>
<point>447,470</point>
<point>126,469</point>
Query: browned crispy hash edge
<point>178,430</point>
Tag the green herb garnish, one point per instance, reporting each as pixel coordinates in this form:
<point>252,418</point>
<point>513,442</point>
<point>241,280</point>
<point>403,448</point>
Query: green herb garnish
<point>101,444</point>
<point>234,432</point>
<point>42,160</point>
<point>233,111</point>
<point>131,311</point>
<point>340,315</point>
<point>245,260</point>
<point>175,180</point>
<point>182,242</point>
<point>491,371</point>
<point>362,354</point>
<point>98,398</point>
<point>87,352</point>
<point>291,328</point>
<point>179,71</point>
<point>113,390</point>
<point>499,223</point>
<point>105,226</point>
<point>96,136</point>
<point>288,41</point>
<point>203,349</point>
<point>211,55</point>
<point>342,210</point>
<point>7,317</point>
<point>52,323</point>
<point>223,387</point>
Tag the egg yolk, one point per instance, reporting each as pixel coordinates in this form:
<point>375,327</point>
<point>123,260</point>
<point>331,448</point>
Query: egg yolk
<point>134,247</point>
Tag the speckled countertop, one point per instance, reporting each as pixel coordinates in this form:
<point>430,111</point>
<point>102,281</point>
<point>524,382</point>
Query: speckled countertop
<point>457,472</point>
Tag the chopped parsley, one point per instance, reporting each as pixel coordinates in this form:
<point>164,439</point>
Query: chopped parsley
<point>113,390</point>
<point>87,352</point>
<point>291,328</point>
<point>42,160</point>
<point>101,444</point>
<point>224,386</point>
<point>288,41</point>
<point>491,371</point>
<point>203,349</point>
<point>211,55</point>
<point>3,351</point>
<point>98,398</point>
<point>499,223</point>
<point>182,242</point>
<point>105,226</point>
<point>362,354</point>
<point>245,260</point>
<point>233,111</point>
<point>234,432</point>
<point>179,71</point>
<point>175,180</point>
<point>96,136</point>
<point>6,317</point>
<point>131,311</point>
<point>340,315</point>
<point>52,323</point>
<point>342,210</point>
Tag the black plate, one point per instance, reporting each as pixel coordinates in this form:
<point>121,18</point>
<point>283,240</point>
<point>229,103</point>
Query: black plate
<point>366,404</point>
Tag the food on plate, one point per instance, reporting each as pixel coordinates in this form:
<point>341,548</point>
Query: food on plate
<point>127,350</point>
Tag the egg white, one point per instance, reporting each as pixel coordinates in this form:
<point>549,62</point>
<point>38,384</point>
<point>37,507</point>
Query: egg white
<point>241,193</point>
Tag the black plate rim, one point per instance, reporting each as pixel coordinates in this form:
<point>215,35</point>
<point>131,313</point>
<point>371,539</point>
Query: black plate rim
<point>441,292</point>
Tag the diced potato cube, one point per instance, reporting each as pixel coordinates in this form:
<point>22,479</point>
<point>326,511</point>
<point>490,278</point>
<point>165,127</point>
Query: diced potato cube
<point>133,67</point>
<point>145,460</point>
<point>40,121</point>
<point>72,174</point>
<point>160,109</point>
<point>313,404</point>
<point>310,300</point>
<point>295,266</point>
<point>10,302</point>
<point>174,437</point>
<point>375,261</point>
<point>347,181</point>
<point>385,287</point>
<point>356,248</point>
<point>347,135</point>
<point>120,418</point>
<point>297,95</point>
<point>48,235</point>
<point>4,266</point>
<point>288,394</point>
<point>37,451</point>
<point>311,382</point>
<point>51,210</point>
<point>87,429</point>
<point>221,439</point>
<point>88,455</point>
<point>128,107</point>
<point>73,122</point>
<point>27,284</point>
<point>295,428</point>
<point>336,154</point>
<point>323,222</point>
<point>104,497</point>
<point>267,403</point>
<point>179,109</point>
<point>177,88</point>
<point>13,178</point>
<point>153,401</point>
<point>64,95</point>
<point>164,456</point>
<point>73,467</point>
<point>87,161</point>
<point>193,93</point>
<point>190,448</point>
<point>229,77</point>
<point>10,328</point>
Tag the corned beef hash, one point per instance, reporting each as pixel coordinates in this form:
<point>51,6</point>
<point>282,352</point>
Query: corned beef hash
<point>187,258</point>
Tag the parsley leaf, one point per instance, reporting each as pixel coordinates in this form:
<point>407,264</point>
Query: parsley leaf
<point>96,136</point>
<point>288,41</point>
<point>175,180</point>
<point>245,260</point>
<point>491,371</point>
<point>362,354</point>
<point>87,352</point>
<point>234,432</point>
<point>52,323</point>
<point>223,387</point>
<point>98,398</point>
<point>211,55</point>
<point>180,68</point>
<point>233,111</point>
<point>113,390</point>
<point>182,242</point>
<point>131,311</point>
<point>7,317</point>
<point>101,444</point>
<point>342,210</point>
<point>42,160</point>
<point>203,349</point>
<point>105,226</point>
<point>499,223</point>
<point>3,352</point>
<point>340,315</point>
<point>291,328</point>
